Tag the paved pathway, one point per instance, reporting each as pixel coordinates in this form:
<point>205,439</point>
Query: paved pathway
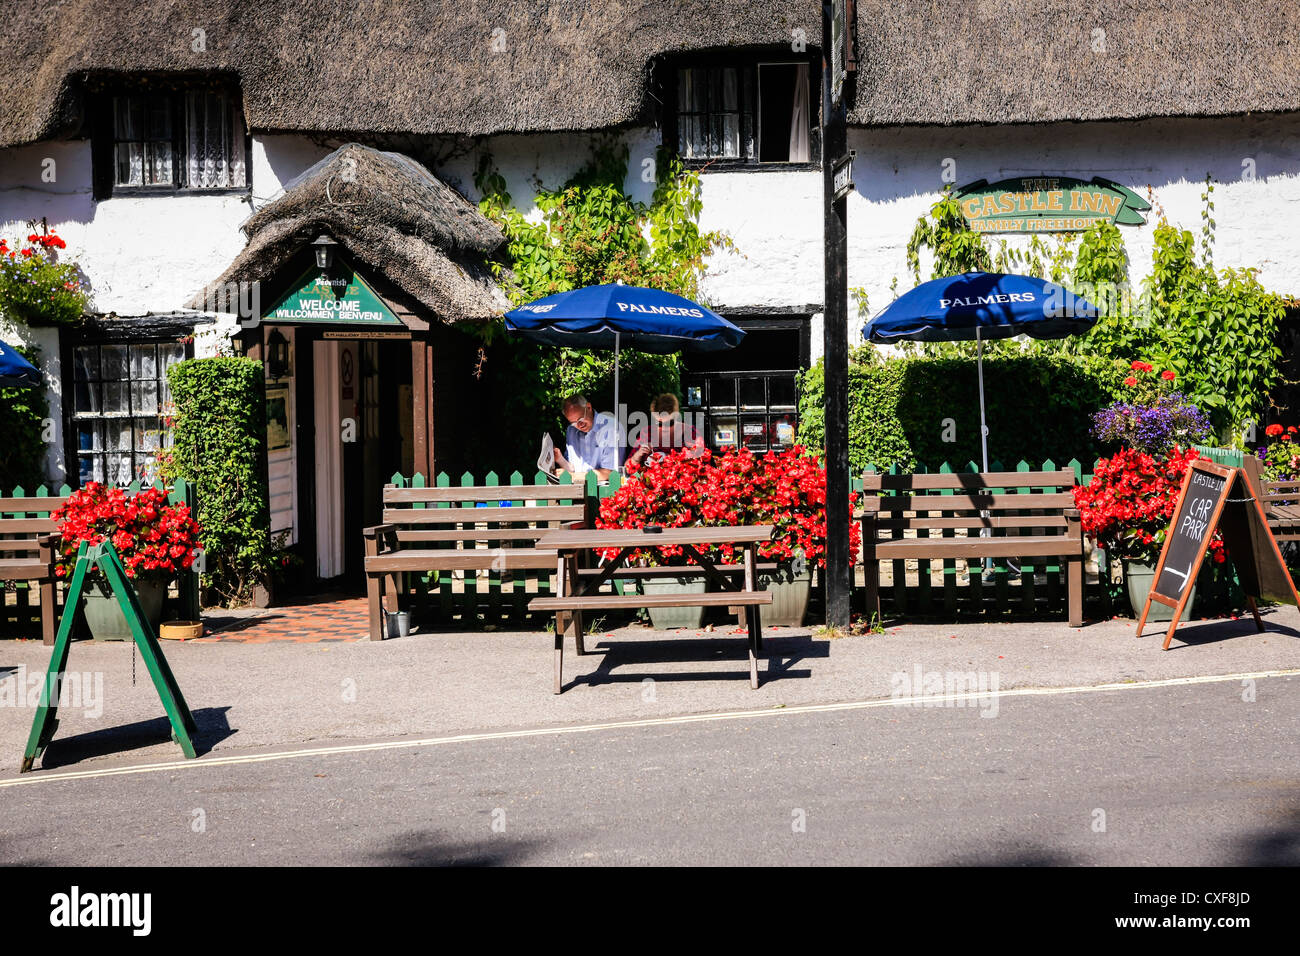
<point>328,619</point>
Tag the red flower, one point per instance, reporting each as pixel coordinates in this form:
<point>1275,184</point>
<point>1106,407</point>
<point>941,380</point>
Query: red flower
<point>1272,431</point>
<point>1128,505</point>
<point>785,489</point>
<point>1130,381</point>
<point>151,537</point>
<point>1168,375</point>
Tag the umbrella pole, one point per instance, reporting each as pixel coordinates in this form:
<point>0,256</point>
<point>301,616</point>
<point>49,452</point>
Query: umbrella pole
<point>984,430</point>
<point>617,417</point>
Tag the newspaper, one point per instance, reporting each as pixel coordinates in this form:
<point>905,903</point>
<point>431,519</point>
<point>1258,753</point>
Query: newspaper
<point>546,459</point>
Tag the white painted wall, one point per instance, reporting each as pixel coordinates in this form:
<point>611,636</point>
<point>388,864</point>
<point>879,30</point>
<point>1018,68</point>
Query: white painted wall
<point>151,254</point>
<point>899,174</point>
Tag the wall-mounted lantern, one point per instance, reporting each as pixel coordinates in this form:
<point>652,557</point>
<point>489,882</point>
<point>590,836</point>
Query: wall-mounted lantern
<point>277,355</point>
<point>324,248</point>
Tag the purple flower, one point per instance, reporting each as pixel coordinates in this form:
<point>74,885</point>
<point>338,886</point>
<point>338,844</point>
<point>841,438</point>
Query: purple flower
<point>1167,421</point>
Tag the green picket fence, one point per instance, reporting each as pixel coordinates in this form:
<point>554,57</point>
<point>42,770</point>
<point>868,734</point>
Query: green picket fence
<point>445,598</point>
<point>24,613</point>
<point>1232,457</point>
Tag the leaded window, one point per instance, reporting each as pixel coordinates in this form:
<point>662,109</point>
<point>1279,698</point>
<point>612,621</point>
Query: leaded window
<point>178,140</point>
<point>120,405</point>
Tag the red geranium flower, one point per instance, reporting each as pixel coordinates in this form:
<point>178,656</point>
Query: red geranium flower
<point>152,538</point>
<point>1168,375</point>
<point>1272,431</point>
<point>1130,381</point>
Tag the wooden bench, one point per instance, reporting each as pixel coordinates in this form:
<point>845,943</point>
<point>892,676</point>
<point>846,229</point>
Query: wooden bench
<point>28,548</point>
<point>1036,525</point>
<point>461,529</point>
<point>1281,500</point>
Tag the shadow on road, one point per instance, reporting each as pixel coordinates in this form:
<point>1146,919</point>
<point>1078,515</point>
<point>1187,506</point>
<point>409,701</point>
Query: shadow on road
<point>430,848</point>
<point>63,751</point>
<point>1278,846</point>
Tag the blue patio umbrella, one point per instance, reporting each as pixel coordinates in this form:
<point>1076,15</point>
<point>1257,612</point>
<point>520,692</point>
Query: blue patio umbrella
<point>617,316</point>
<point>16,370</point>
<point>979,306</point>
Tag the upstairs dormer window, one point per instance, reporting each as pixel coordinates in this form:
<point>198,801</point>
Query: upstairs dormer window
<point>744,113</point>
<point>166,141</point>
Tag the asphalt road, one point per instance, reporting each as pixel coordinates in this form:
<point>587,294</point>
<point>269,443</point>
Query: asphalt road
<point>1190,774</point>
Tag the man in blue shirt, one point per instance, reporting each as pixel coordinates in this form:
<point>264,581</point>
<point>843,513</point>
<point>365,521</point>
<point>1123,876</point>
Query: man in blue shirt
<point>592,439</point>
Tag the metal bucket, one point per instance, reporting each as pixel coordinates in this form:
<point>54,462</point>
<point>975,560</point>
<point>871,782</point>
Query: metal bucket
<point>399,623</point>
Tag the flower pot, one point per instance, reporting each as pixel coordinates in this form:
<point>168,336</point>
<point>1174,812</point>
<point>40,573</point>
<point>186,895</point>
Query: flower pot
<point>665,618</point>
<point>789,592</point>
<point>1138,578</point>
<point>104,617</point>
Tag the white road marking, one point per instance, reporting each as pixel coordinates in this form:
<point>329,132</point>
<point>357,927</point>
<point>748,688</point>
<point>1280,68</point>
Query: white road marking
<point>779,711</point>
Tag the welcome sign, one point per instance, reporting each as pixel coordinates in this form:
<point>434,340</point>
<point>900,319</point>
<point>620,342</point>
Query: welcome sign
<point>1048,204</point>
<point>337,297</point>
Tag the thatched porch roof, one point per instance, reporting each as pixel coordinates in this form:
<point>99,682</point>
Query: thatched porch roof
<point>389,213</point>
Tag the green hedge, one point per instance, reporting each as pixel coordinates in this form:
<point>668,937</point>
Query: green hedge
<point>1038,407</point>
<point>219,443</point>
<point>23,412</point>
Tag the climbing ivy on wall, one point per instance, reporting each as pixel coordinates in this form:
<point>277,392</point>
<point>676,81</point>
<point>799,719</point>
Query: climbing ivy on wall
<point>1217,328</point>
<point>590,232</point>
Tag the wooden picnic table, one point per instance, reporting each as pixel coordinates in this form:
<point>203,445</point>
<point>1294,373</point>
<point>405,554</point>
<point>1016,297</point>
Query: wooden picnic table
<point>575,593</point>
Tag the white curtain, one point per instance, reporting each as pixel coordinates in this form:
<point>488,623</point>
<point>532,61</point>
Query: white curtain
<point>799,149</point>
<point>128,124</point>
<point>214,142</point>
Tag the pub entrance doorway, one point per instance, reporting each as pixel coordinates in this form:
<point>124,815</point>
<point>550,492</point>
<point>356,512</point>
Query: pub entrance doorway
<point>363,433</point>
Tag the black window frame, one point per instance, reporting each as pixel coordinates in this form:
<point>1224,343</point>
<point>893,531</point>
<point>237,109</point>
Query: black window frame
<point>709,381</point>
<point>151,330</point>
<point>104,136</point>
<point>666,82</point>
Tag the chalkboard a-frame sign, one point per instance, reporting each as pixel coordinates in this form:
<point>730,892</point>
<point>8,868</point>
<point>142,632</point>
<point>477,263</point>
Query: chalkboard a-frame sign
<point>1218,498</point>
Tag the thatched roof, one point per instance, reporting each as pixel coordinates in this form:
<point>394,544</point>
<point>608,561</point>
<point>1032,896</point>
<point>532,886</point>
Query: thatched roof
<point>431,67</point>
<point>389,213</point>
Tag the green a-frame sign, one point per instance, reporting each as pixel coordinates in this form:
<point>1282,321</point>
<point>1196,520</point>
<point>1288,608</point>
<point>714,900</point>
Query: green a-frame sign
<point>105,557</point>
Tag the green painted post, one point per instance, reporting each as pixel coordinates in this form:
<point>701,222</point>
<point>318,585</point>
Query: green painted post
<point>519,578</point>
<point>187,582</point>
<point>497,574</point>
<point>1077,467</point>
<point>1053,568</point>
<point>1027,571</point>
<point>924,596</point>
<point>469,599</point>
<point>441,580</point>
<point>949,565</point>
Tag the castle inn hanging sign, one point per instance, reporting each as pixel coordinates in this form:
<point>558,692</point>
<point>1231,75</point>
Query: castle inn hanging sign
<point>1048,204</point>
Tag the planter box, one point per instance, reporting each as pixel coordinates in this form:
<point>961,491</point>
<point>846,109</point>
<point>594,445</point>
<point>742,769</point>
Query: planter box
<point>1138,579</point>
<point>790,593</point>
<point>104,617</point>
<point>666,618</point>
